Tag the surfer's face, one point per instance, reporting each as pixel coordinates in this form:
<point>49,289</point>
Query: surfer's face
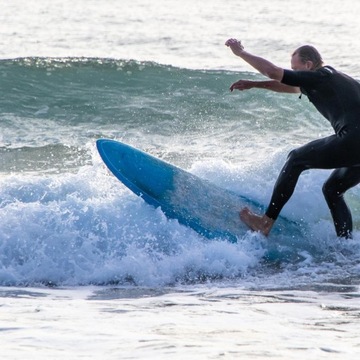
<point>298,64</point>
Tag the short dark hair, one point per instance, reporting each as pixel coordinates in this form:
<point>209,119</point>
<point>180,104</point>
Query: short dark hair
<point>309,53</point>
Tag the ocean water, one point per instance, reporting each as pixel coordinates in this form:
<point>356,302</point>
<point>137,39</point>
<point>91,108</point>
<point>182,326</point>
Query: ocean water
<point>87,269</point>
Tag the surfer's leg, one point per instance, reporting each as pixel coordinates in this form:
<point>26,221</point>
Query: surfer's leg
<point>285,184</point>
<point>334,188</point>
<point>284,188</point>
<point>327,153</point>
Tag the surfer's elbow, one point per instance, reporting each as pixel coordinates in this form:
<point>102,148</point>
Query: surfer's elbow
<point>274,73</point>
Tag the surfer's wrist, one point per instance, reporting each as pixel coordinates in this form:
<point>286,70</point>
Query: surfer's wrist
<point>239,50</point>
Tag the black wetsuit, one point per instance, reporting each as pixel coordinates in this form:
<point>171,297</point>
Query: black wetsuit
<point>337,97</point>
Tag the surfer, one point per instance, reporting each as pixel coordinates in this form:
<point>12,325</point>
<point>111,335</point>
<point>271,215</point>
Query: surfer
<point>337,97</point>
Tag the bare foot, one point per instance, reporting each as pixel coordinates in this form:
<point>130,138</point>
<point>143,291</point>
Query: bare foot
<point>256,222</point>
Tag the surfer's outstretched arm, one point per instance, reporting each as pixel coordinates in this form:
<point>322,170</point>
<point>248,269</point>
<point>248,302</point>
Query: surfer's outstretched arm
<point>272,85</point>
<point>264,66</point>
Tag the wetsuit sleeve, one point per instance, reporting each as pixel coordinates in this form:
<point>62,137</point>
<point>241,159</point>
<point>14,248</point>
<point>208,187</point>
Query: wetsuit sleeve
<point>304,78</point>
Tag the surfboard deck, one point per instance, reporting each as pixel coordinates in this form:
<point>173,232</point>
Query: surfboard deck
<point>208,209</point>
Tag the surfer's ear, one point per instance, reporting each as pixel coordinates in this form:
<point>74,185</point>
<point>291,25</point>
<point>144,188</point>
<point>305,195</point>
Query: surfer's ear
<point>309,65</point>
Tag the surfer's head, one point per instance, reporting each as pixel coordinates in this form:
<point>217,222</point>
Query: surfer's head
<point>306,57</point>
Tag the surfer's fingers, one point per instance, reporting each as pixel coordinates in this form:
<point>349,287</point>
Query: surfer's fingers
<point>239,85</point>
<point>234,42</point>
<point>233,86</point>
<point>231,42</point>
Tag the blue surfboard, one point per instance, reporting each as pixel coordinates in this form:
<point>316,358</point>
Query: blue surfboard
<point>208,209</point>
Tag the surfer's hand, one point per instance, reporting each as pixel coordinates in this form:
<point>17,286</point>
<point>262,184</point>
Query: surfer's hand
<point>242,85</point>
<point>235,45</point>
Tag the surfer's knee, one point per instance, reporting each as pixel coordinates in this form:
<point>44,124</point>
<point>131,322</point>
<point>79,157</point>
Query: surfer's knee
<point>294,162</point>
<point>293,157</point>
